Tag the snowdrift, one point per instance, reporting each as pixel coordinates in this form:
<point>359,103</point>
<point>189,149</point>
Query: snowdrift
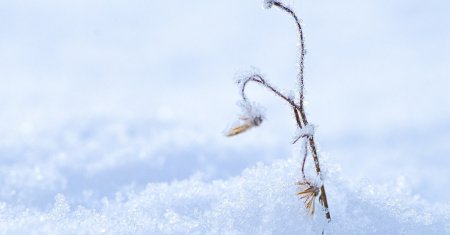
<point>261,200</point>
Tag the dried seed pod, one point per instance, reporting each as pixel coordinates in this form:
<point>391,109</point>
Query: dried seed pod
<point>251,117</point>
<point>308,193</point>
<point>238,129</point>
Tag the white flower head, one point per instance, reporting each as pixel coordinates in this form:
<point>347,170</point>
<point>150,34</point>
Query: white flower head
<point>251,117</point>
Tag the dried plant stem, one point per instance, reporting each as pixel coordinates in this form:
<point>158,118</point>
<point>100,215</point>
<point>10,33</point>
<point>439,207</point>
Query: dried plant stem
<point>305,155</point>
<point>297,118</point>
<point>297,109</point>
<point>305,151</point>
<point>323,194</point>
<point>312,145</point>
<point>301,110</point>
<point>300,76</point>
<point>260,80</point>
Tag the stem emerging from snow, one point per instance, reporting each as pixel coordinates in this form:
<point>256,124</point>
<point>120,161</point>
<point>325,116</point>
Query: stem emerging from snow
<point>299,111</point>
<point>300,79</point>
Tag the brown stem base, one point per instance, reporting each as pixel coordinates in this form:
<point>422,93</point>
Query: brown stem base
<point>323,194</point>
<point>312,145</point>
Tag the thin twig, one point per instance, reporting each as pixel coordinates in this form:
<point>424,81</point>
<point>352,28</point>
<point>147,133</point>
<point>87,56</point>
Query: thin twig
<point>305,151</point>
<point>297,118</point>
<point>305,155</point>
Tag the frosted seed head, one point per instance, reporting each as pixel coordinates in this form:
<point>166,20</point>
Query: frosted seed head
<point>257,120</point>
<point>251,117</point>
<point>252,112</point>
<point>268,3</point>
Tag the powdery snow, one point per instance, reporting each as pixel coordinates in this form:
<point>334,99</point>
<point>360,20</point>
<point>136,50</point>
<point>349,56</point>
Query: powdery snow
<point>261,200</point>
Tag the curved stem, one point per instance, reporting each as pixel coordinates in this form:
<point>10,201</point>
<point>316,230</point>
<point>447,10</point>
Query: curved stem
<point>260,80</point>
<point>300,76</point>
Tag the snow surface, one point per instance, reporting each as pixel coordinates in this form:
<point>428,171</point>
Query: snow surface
<point>260,200</point>
<point>107,178</point>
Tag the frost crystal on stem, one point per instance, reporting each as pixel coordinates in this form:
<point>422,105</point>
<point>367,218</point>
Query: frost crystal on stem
<point>304,132</point>
<point>268,3</point>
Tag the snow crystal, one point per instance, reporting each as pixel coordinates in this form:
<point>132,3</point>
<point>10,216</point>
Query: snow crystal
<point>304,132</point>
<point>307,130</point>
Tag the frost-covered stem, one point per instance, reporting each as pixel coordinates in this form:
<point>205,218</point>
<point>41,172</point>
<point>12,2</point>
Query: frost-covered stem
<point>297,118</point>
<point>305,155</point>
<point>300,76</point>
<point>300,109</point>
<point>260,80</point>
<point>305,151</point>
<point>323,194</point>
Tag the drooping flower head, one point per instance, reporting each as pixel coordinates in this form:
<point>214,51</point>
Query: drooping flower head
<point>251,117</point>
